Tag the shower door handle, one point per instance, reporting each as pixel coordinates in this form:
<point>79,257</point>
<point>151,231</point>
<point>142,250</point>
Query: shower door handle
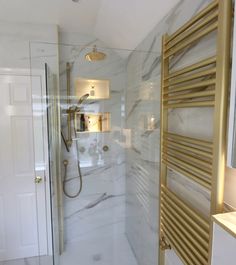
<point>38,179</point>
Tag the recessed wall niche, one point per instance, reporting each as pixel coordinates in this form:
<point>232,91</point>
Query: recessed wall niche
<point>97,89</point>
<point>92,122</point>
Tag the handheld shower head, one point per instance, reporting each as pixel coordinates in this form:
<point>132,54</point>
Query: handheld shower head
<point>83,98</point>
<point>76,108</point>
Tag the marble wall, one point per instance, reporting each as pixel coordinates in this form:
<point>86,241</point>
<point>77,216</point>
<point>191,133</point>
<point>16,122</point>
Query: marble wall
<point>98,214</point>
<point>121,186</point>
<point>142,158</point>
<point>143,123</point>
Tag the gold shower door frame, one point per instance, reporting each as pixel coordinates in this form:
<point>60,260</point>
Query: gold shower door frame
<point>203,84</point>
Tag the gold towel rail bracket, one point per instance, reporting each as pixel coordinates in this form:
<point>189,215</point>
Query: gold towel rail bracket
<point>202,84</point>
<point>163,244</point>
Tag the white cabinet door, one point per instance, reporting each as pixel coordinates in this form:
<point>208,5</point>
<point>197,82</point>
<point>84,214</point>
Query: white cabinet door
<point>224,239</point>
<point>19,237</point>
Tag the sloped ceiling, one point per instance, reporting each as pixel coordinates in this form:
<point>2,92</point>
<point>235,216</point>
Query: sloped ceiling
<point>119,23</point>
<point>125,23</point>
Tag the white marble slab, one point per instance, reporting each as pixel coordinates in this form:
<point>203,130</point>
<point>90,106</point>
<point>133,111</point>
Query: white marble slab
<point>94,227</point>
<point>103,251</point>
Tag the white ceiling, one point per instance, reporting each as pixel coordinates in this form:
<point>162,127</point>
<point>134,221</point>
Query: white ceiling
<point>119,23</point>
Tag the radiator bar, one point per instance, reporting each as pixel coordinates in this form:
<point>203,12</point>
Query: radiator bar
<point>196,216</point>
<point>193,30</point>
<point>192,39</point>
<point>192,21</point>
<point>193,169</point>
<point>190,159</point>
<point>186,139</point>
<point>191,77</point>
<point>194,95</point>
<point>186,229</point>
<point>192,149</point>
<point>201,84</point>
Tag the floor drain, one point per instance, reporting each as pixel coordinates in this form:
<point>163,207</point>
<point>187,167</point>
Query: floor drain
<point>97,257</point>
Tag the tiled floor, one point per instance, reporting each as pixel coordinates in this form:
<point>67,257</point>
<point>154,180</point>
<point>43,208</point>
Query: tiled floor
<point>43,260</point>
<point>105,251</point>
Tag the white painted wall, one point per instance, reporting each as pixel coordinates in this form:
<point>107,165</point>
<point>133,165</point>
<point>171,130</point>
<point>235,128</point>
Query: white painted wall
<point>230,186</point>
<point>15,38</point>
<point>17,49</point>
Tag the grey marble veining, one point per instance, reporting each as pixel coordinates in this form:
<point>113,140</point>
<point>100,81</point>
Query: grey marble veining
<point>97,217</point>
<point>152,62</point>
<point>94,203</point>
<point>143,121</point>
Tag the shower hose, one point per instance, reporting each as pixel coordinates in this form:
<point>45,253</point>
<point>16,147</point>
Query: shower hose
<point>66,180</point>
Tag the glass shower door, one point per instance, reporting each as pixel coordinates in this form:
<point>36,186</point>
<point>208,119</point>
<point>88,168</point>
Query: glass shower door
<point>44,63</point>
<point>116,207</point>
<point>53,131</point>
<point>43,165</point>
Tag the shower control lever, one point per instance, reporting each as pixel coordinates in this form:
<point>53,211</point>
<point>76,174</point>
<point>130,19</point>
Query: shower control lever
<point>38,179</point>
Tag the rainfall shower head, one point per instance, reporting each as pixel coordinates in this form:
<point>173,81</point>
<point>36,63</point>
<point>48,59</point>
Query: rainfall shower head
<point>94,55</point>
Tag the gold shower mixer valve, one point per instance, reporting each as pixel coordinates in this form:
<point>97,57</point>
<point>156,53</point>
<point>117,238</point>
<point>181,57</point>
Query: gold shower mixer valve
<point>69,143</point>
<point>65,162</point>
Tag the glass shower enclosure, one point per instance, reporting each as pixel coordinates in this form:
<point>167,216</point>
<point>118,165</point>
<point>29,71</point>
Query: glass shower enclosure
<point>102,129</point>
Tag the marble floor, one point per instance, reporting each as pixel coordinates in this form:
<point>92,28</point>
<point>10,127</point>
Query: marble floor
<point>106,251</point>
<point>43,260</point>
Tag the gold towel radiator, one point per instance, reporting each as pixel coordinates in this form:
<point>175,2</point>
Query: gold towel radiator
<point>203,84</point>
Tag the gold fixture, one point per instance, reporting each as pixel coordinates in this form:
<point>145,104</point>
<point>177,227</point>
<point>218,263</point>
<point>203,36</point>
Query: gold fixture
<point>65,162</point>
<point>69,137</point>
<point>163,244</point>
<point>95,55</point>
<point>71,110</point>
<point>203,84</point>
<point>92,122</point>
<point>105,148</point>
<point>38,179</point>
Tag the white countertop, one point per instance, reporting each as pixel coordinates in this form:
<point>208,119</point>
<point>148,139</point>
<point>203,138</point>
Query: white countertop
<point>227,221</point>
